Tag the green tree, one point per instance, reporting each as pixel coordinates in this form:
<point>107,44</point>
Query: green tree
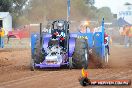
<point>18,6</point>
<point>13,6</point>
<point>104,12</point>
<point>89,2</point>
<point>127,3</point>
<point>53,9</point>
<point>5,5</point>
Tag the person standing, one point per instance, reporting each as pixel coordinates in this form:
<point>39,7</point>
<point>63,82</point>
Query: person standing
<point>0,37</point>
<point>2,33</point>
<point>122,35</point>
<point>126,33</point>
<point>130,35</point>
<point>106,42</point>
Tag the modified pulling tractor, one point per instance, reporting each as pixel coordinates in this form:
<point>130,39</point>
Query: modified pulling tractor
<point>61,48</point>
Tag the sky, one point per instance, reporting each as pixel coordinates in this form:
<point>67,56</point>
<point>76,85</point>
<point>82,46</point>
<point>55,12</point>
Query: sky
<point>114,5</point>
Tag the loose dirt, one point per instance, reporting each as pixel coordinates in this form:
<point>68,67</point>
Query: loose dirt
<point>15,72</point>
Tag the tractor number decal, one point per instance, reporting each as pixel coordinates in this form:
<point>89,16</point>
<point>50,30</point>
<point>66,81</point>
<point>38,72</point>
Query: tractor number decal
<point>82,37</point>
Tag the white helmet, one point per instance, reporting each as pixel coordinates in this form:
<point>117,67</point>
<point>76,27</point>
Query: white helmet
<point>60,25</point>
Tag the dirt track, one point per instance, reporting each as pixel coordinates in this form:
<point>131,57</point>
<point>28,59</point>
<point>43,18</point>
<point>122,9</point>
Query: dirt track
<point>15,72</point>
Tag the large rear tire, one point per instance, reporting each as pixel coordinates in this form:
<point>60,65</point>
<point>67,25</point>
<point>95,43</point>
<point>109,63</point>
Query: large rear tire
<point>80,55</point>
<point>36,58</point>
<point>37,52</point>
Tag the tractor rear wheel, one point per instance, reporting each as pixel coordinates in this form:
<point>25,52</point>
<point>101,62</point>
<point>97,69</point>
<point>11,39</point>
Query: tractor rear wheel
<point>80,55</point>
<point>36,56</point>
<point>37,52</point>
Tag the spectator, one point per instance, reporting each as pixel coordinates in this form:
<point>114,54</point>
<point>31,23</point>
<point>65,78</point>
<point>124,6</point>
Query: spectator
<point>106,42</point>
<point>2,33</point>
<point>126,33</point>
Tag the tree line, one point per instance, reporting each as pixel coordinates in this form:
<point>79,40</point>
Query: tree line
<point>33,11</point>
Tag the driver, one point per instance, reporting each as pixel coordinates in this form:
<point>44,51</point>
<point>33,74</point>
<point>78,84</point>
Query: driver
<point>60,27</point>
<point>59,31</point>
<point>62,41</point>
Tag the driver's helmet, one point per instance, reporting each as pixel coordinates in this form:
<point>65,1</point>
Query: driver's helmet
<point>60,26</point>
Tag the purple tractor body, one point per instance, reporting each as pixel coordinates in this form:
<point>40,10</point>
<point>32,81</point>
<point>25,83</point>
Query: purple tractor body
<point>64,58</point>
<point>48,50</point>
<point>53,51</point>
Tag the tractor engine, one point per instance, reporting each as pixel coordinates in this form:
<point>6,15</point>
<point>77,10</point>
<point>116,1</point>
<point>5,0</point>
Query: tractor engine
<point>55,53</point>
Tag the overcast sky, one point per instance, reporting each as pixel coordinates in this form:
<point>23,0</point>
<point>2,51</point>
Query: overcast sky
<point>115,5</point>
